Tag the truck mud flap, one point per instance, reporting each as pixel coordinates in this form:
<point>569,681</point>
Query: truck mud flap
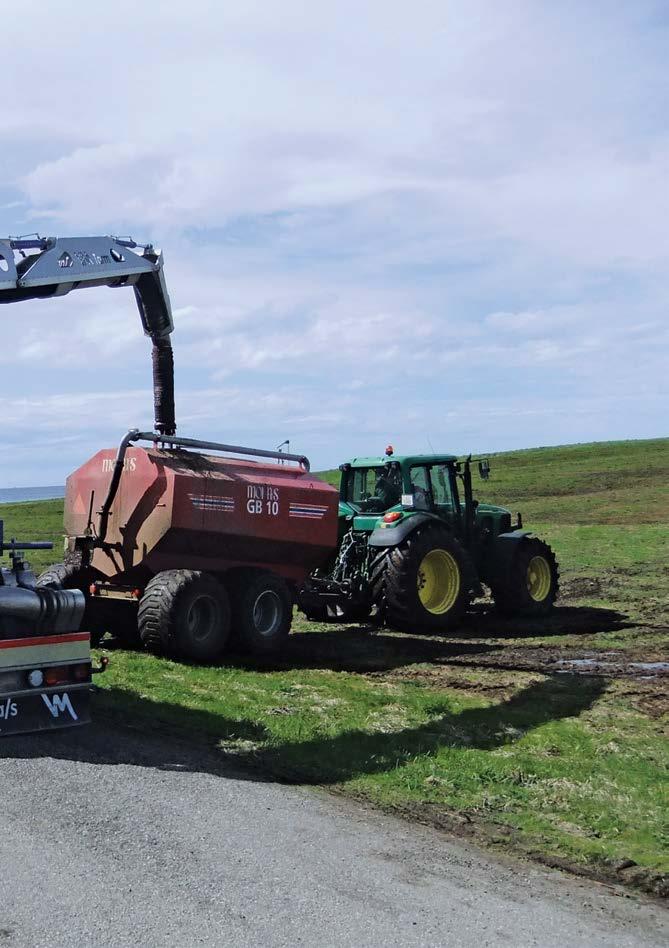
<point>48,710</point>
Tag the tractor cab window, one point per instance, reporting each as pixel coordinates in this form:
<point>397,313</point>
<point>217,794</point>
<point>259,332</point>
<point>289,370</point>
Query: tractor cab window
<point>361,484</point>
<point>374,489</point>
<point>431,487</point>
<point>420,487</point>
<point>441,485</point>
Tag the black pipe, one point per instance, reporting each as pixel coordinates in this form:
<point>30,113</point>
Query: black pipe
<point>113,484</point>
<point>163,386</point>
<point>218,446</point>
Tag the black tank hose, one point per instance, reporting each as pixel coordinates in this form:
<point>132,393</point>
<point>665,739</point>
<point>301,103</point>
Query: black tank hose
<point>163,386</point>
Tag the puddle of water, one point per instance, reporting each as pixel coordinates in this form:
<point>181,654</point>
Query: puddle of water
<point>583,663</point>
<point>594,663</point>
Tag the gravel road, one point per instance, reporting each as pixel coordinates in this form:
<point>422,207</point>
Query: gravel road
<point>111,837</point>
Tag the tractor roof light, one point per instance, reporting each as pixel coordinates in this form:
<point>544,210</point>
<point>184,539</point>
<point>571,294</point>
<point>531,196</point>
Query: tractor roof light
<point>392,516</point>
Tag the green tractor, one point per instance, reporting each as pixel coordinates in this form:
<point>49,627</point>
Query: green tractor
<point>415,548</point>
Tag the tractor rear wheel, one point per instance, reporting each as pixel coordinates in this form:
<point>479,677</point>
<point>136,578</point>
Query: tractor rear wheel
<point>531,586</point>
<point>185,613</point>
<point>98,618</point>
<point>423,584</point>
<point>262,612</point>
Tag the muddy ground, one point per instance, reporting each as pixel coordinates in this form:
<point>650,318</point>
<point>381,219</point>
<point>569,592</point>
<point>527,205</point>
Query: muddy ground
<point>624,640</point>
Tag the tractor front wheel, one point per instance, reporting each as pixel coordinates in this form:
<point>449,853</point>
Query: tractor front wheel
<point>531,586</point>
<point>423,584</point>
<point>186,613</point>
<point>262,612</point>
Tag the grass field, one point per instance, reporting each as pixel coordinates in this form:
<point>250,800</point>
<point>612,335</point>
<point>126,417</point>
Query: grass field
<point>547,737</point>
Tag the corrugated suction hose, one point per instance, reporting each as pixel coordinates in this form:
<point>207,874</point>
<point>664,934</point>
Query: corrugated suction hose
<point>163,386</point>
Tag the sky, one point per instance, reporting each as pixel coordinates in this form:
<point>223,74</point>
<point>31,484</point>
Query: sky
<point>438,224</point>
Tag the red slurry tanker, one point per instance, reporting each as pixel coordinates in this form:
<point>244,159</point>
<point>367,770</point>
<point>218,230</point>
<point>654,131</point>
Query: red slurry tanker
<point>191,549</point>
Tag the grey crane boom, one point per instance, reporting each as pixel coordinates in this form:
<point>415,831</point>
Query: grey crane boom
<point>35,267</point>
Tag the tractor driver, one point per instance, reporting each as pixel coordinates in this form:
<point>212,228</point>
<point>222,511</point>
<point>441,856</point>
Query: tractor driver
<point>388,488</point>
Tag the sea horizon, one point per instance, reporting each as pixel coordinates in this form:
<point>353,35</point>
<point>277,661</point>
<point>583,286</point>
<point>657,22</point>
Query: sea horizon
<point>16,495</point>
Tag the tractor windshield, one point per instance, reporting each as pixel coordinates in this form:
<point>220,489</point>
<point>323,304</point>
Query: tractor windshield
<point>374,488</point>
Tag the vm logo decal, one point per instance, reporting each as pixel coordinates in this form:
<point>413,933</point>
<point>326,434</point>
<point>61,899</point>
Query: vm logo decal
<point>58,705</point>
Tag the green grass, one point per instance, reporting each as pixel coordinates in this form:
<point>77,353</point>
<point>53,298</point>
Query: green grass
<point>478,732</point>
<point>36,520</point>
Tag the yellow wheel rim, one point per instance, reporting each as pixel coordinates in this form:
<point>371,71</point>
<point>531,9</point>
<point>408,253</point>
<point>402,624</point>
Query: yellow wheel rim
<point>438,582</point>
<point>538,578</point>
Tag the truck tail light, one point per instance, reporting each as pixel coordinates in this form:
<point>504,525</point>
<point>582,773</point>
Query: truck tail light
<point>56,676</point>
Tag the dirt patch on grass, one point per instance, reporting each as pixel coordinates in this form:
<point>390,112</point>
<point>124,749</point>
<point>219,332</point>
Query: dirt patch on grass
<point>651,698</point>
<point>488,683</point>
<point>582,587</point>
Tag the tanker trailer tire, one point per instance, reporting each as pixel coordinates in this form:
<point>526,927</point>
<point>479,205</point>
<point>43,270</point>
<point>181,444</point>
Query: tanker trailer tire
<point>97,619</point>
<point>262,612</point>
<point>184,613</point>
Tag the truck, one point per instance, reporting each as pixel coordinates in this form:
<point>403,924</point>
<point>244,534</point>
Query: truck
<point>45,659</point>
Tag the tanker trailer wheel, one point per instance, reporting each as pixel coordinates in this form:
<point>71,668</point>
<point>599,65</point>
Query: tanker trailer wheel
<point>423,584</point>
<point>531,585</point>
<point>262,611</point>
<point>97,620</point>
<point>185,613</point>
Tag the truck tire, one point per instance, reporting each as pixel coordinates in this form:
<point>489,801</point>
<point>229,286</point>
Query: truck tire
<point>262,612</point>
<point>97,619</point>
<point>184,613</point>
<point>531,586</point>
<point>422,584</point>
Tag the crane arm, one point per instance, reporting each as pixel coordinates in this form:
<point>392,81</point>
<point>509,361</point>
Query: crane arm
<point>43,267</point>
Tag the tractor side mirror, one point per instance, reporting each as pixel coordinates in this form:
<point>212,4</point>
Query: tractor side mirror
<point>484,470</point>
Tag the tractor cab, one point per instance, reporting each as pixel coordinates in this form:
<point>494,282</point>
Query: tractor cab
<point>375,486</point>
<point>382,492</point>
